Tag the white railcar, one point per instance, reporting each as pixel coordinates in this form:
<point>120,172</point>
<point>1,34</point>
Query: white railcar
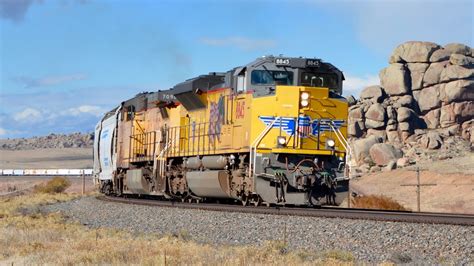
<point>18,172</point>
<point>51,171</point>
<point>7,171</point>
<point>88,171</point>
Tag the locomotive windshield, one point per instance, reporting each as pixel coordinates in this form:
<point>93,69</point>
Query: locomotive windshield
<point>269,77</point>
<point>325,80</point>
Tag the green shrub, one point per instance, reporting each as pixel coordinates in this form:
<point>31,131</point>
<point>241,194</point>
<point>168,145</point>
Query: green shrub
<point>55,185</point>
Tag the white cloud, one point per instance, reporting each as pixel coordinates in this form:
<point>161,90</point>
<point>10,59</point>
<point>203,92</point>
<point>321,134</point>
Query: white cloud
<point>30,82</point>
<point>3,131</point>
<point>382,25</point>
<point>242,43</point>
<point>85,109</point>
<point>388,23</point>
<point>353,85</point>
<point>28,115</point>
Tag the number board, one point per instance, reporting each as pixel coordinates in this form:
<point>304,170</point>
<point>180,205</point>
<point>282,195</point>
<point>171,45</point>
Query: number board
<point>313,62</point>
<point>282,61</point>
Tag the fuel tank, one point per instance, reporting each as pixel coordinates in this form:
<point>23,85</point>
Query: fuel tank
<point>209,183</point>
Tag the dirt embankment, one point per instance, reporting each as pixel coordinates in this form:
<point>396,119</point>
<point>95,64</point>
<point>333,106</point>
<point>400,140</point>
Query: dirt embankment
<point>453,192</point>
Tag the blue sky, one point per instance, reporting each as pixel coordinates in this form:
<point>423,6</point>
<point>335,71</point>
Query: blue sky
<point>64,62</point>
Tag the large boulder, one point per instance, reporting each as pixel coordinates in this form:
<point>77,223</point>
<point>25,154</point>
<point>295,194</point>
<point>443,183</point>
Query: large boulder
<point>433,73</point>
<point>393,137</point>
<point>453,72</point>
<point>361,147</point>
<point>417,71</point>
<point>461,60</point>
<point>458,48</point>
<point>373,93</point>
<point>381,133</point>
<point>395,79</point>
<point>432,118</point>
<point>404,101</point>
<point>457,91</point>
<point>429,98</point>
<point>456,113</point>
<point>404,114</point>
<point>405,126</point>
<point>391,113</point>
<point>382,153</point>
<point>431,140</point>
<point>356,112</point>
<point>467,130</point>
<point>356,129</point>
<point>375,116</point>
<point>440,55</point>
<point>413,52</point>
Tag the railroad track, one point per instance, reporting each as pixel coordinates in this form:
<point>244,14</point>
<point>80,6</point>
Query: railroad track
<point>325,212</point>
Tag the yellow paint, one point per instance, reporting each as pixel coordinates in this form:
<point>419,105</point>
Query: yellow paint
<point>198,133</point>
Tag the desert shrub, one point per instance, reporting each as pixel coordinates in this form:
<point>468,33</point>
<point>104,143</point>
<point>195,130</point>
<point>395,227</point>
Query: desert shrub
<point>378,202</point>
<point>339,255</point>
<point>55,185</point>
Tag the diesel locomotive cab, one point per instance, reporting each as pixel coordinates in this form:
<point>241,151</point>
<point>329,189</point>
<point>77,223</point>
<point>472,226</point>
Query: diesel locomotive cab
<point>305,157</point>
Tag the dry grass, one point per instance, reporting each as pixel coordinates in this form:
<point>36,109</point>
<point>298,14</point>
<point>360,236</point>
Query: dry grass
<point>28,236</point>
<point>57,184</point>
<point>378,202</point>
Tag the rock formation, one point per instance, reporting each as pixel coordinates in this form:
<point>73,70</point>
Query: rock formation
<point>425,97</point>
<point>74,140</point>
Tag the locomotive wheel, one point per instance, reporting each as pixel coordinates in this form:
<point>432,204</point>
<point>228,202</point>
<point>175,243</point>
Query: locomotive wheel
<point>256,201</point>
<point>245,200</point>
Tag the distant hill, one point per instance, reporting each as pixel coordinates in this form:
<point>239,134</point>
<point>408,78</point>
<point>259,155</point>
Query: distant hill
<point>52,141</point>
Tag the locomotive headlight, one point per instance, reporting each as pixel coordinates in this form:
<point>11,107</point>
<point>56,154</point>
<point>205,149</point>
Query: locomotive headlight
<point>304,102</point>
<point>281,141</point>
<point>330,143</point>
<point>304,96</point>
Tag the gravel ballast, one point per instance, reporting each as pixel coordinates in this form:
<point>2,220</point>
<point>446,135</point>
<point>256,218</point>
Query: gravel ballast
<point>369,241</point>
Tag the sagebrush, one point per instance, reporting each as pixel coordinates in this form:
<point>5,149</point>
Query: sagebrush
<point>378,202</point>
<point>56,185</point>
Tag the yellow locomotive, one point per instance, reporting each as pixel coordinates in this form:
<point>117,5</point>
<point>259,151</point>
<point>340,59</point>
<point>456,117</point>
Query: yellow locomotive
<point>272,131</point>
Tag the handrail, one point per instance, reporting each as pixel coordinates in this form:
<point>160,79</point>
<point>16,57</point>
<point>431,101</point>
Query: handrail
<point>168,144</point>
<point>344,143</point>
<point>254,146</point>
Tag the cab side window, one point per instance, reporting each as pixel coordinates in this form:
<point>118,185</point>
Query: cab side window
<point>319,80</point>
<point>130,113</point>
<point>240,83</point>
<point>268,77</point>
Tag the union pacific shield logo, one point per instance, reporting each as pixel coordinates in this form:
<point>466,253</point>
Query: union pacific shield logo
<point>304,126</point>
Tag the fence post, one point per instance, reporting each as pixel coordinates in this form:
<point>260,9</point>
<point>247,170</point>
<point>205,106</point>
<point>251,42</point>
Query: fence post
<point>349,194</point>
<point>83,183</point>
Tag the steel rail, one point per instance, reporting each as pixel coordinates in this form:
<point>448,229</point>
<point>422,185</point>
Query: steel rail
<point>325,212</point>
